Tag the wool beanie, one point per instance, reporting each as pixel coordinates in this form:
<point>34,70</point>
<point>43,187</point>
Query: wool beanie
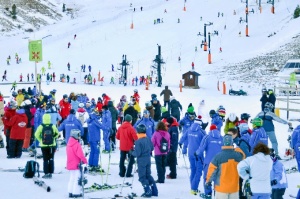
<point>128,118</point>
<point>213,127</point>
<point>227,140</point>
<point>190,109</point>
<point>72,111</point>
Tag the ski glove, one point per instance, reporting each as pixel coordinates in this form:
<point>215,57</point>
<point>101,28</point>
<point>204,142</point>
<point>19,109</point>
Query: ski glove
<point>273,182</point>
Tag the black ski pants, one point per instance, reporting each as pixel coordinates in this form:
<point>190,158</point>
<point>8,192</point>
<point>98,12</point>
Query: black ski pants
<point>277,193</point>
<point>48,158</point>
<point>15,148</point>
<point>123,170</point>
<point>172,162</point>
<point>161,163</point>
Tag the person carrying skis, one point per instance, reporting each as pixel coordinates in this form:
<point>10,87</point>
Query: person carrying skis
<point>142,151</point>
<point>74,157</point>
<point>46,134</point>
<point>268,116</point>
<point>127,135</point>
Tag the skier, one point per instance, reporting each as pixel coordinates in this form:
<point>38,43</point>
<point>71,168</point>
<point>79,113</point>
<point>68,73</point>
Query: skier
<point>127,135</point>
<point>32,77</point>
<point>179,59</point>
<point>211,144</point>
<point>120,106</point>
<point>9,112</point>
<point>226,184</point>
<point>94,139</point>
<point>148,122</point>
<point>43,70</point>
<point>75,36</point>
<point>231,122</point>
<point>94,81</point>
<point>157,108</point>
<point>48,79</point>
<point>16,133</point>
<point>172,125</point>
<point>216,119</point>
<point>141,8</point>
<point>194,137</point>
<point>220,50</point>
<point>27,77</point>
<point>53,76</point>
<point>112,68</point>
<point>68,78</point>
<point>47,142</point>
<point>264,99</point>
<point>49,66</point>
<point>268,116</point>
<point>68,65</point>
<point>21,77</point>
<point>295,144</point>
<point>8,61</point>
<point>143,148</point>
<point>193,66</point>
<point>114,117</point>
<point>69,44</point>
<point>256,169</point>
<point>272,99</point>
<point>278,177</point>
<point>107,123</point>
<point>175,108</point>
<point>13,86</point>
<point>136,95</point>
<point>112,80</point>
<point>159,152</point>
<point>167,94</point>
<point>74,157</point>
<point>90,68</point>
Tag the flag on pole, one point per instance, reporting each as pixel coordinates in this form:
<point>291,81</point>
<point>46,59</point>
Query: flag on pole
<point>35,51</point>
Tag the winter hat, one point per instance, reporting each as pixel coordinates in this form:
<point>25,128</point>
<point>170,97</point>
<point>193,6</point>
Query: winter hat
<point>170,120</point>
<point>190,109</point>
<point>227,140</point>
<point>104,107</point>
<point>243,127</point>
<point>163,109</point>
<point>72,111</point>
<point>128,118</point>
<point>88,102</point>
<point>172,98</point>
<point>13,104</point>
<point>141,128</point>
<point>81,105</point>
<point>75,133</point>
<point>213,127</point>
<point>199,117</point>
<point>190,105</point>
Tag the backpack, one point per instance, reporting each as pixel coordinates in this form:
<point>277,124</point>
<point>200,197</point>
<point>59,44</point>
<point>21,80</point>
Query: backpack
<point>47,134</point>
<point>31,168</point>
<point>242,140</point>
<point>164,145</point>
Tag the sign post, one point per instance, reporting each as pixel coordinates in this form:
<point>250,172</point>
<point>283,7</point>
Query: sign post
<point>36,55</point>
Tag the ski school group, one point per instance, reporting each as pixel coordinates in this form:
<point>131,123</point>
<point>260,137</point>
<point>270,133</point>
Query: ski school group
<point>238,164</point>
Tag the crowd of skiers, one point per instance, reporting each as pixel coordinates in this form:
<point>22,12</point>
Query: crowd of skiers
<point>152,131</point>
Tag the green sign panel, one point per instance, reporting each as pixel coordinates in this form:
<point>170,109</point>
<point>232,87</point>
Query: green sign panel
<point>35,51</point>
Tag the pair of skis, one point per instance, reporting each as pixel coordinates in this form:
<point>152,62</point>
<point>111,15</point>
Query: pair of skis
<point>97,187</point>
<point>116,196</point>
<point>41,183</point>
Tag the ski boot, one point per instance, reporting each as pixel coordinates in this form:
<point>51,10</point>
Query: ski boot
<point>105,151</point>
<point>147,192</point>
<point>203,195</point>
<point>154,189</point>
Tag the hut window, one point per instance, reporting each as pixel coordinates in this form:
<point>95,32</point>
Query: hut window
<point>191,76</point>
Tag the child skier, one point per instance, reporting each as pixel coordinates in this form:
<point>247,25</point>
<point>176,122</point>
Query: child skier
<point>143,148</point>
<point>74,157</point>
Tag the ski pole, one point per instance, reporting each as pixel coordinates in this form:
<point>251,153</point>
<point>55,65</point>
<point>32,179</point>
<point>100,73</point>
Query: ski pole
<point>99,147</point>
<point>135,165</point>
<point>108,166</point>
<point>129,156</point>
<point>187,170</point>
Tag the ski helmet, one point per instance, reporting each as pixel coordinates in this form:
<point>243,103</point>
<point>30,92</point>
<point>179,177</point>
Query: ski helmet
<point>232,117</point>
<point>153,96</point>
<point>14,94</point>
<point>141,128</point>
<point>135,90</point>
<point>221,111</point>
<point>75,133</point>
<point>245,116</point>
<point>269,105</point>
<point>257,122</point>
<point>65,96</point>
